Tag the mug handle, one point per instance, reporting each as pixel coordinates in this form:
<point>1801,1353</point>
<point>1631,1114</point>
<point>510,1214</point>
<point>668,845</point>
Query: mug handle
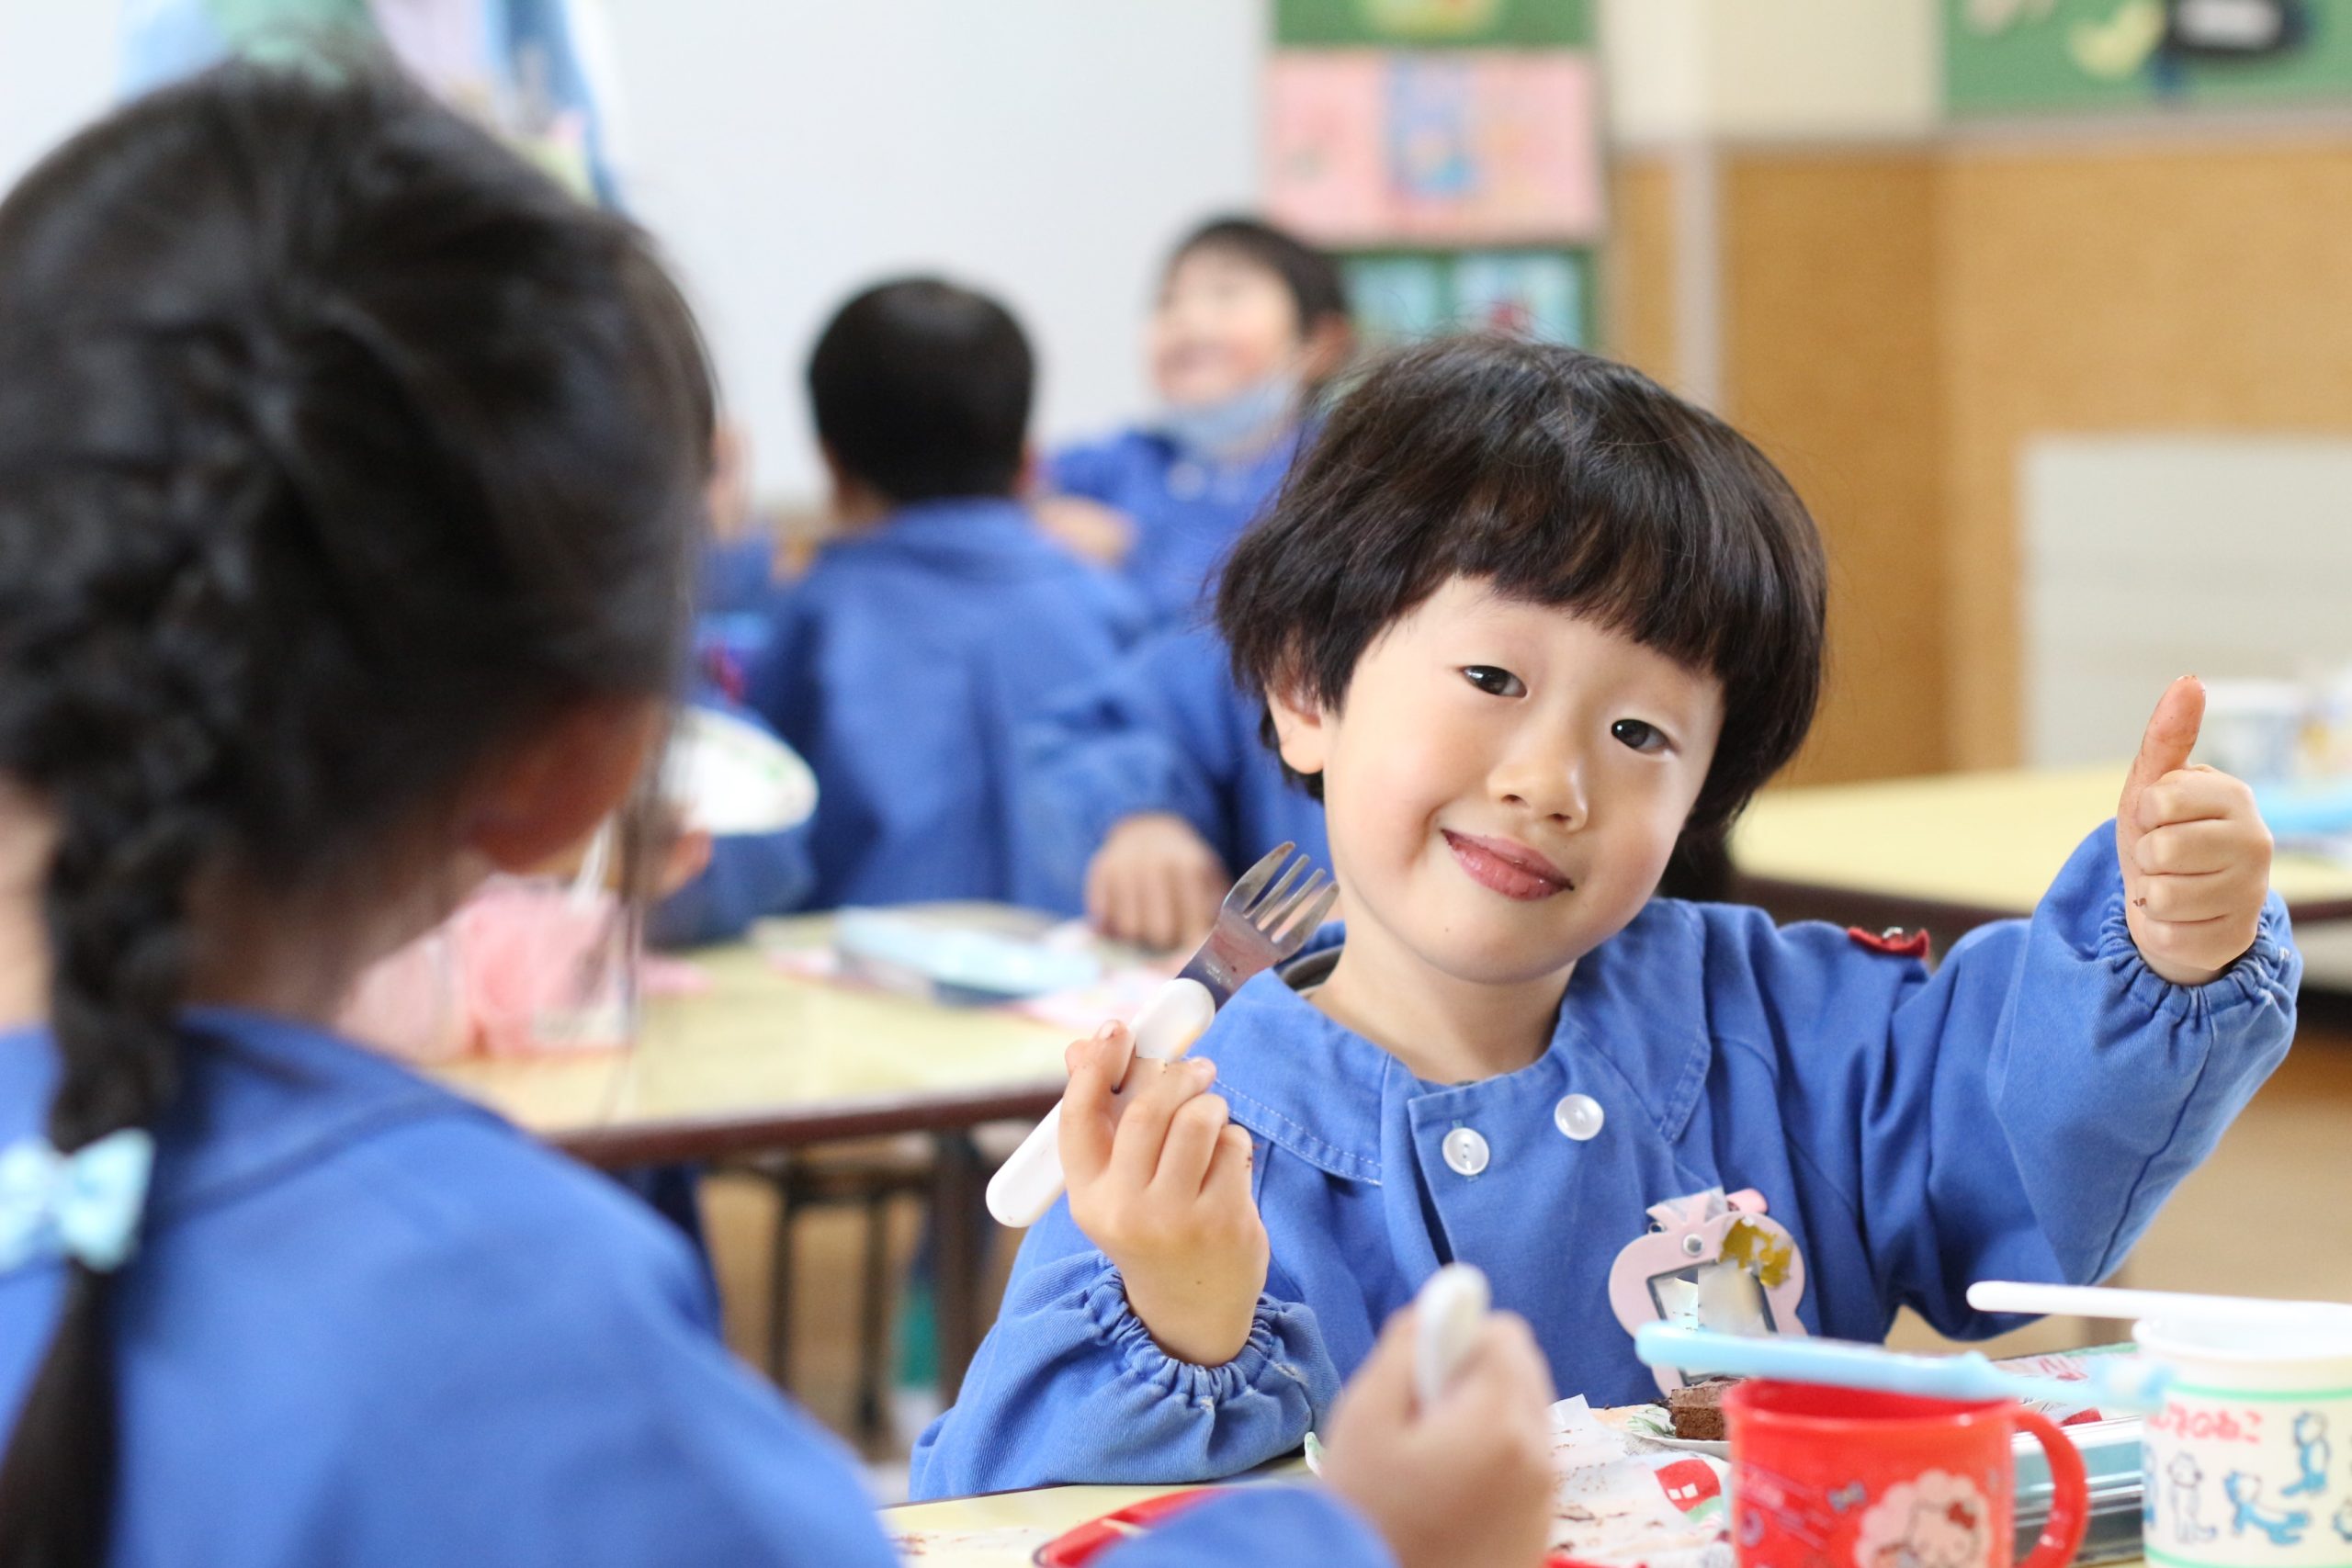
<point>2069,1494</point>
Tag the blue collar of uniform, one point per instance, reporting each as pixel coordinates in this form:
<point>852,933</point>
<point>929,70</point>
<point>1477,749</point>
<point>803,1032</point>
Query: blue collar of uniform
<point>973,536</point>
<point>1635,1008</point>
<point>260,1096</point>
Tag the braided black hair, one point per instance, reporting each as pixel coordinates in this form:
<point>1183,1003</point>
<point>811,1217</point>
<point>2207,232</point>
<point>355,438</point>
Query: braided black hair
<point>338,447</point>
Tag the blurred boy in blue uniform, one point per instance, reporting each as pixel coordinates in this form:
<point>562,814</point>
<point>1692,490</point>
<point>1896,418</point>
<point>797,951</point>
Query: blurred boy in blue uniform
<point>1150,790</point>
<point>940,617</point>
<point>1527,620</point>
<point>1248,323</point>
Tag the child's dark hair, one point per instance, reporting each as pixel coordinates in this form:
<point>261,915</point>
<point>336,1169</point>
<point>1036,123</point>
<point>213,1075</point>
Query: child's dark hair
<point>921,389</point>
<point>1562,478</point>
<point>338,448</point>
<point>1313,278</point>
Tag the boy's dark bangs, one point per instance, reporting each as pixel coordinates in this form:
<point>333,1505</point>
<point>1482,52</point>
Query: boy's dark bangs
<point>1634,541</point>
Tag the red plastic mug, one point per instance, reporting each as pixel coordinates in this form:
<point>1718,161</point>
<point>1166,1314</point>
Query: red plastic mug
<point>1839,1478</point>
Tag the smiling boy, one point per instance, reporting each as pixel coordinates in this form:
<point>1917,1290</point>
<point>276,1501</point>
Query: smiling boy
<point>1527,621</point>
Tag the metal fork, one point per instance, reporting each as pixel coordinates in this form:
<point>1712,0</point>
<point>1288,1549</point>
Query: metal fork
<point>1263,921</point>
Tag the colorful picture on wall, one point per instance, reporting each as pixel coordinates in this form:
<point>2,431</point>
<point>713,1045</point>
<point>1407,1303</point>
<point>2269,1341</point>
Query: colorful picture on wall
<point>1532,293</point>
<point>1400,296</point>
<point>1364,148</point>
<point>1396,298</point>
<point>1324,145</point>
<point>2014,56</point>
<point>1434,24</point>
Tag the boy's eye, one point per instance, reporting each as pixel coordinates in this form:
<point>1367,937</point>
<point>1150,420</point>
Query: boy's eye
<point>1640,734</point>
<point>1493,682</point>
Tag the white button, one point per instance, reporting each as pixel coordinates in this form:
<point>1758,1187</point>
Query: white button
<point>1466,1152</point>
<point>1578,1116</point>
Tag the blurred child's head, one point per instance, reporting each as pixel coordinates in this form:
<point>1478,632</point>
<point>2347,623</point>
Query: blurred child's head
<point>1245,308</point>
<point>920,391</point>
<point>349,484</point>
<point>1523,620</point>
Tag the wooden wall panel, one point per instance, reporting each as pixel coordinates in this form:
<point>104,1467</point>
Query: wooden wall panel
<point>1830,353</point>
<point>2143,288</point>
<point>1637,265</point>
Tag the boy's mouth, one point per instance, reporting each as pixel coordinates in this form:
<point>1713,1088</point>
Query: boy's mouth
<point>1510,869</point>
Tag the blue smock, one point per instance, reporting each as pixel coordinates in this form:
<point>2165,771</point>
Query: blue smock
<point>1166,730</point>
<point>1187,509</point>
<point>2020,1113</point>
<point>901,667</point>
<point>371,1323</point>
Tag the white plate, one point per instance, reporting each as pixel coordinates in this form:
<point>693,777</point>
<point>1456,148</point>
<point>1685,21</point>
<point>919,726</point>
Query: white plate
<point>731,777</point>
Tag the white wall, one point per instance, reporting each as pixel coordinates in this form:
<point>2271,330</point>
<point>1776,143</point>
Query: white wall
<point>787,151</point>
<point>2121,536</point>
<point>1772,70</point>
<point>1045,149</point>
<point>57,68</point>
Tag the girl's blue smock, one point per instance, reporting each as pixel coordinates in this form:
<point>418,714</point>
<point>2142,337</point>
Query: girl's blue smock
<point>370,1323</point>
<point>2017,1114</point>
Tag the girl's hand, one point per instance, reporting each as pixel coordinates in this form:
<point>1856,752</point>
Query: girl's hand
<point>1159,1181</point>
<point>1466,1481</point>
<point>2196,857</point>
<point>1155,882</point>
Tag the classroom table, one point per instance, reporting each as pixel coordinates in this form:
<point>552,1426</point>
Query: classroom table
<point>1953,851</point>
<point>760,1060</point>
<point>1003,1529</point>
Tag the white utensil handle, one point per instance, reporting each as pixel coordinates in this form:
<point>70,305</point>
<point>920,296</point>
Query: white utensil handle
<point>1446,1315</point>
<point>1025,1186</point>
<point>2106,1301</point>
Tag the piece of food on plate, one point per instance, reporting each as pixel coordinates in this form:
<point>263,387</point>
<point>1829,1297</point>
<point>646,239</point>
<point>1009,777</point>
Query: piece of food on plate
<point>1698,1409</point>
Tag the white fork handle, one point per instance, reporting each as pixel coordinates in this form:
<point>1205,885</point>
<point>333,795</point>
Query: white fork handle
<point>1025,1186</point>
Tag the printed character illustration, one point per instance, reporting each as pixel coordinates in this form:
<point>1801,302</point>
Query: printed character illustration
<point>2343,1521</point>
<point>2284,1526</point>
<point>1939,1520</point>
<point>2312,1452</point>
<point>2187,1477</point>
<point>1690,1484</point>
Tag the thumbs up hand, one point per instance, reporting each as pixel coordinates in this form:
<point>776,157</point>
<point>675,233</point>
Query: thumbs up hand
<point>2196,857</point>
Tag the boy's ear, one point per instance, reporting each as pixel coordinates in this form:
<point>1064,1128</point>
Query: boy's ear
<point>1031,482</point>
<point>1300,733</point>
<point>546,795</point>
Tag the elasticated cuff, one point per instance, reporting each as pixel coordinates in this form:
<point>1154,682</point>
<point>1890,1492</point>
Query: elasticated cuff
<point>2263,973</point>
<point>1258,1367</point>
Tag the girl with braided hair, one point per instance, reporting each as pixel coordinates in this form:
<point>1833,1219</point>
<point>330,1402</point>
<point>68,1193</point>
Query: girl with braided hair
<point>349,492</point>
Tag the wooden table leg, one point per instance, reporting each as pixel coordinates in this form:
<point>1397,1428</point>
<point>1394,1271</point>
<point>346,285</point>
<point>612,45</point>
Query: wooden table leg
<point>956,1210</point>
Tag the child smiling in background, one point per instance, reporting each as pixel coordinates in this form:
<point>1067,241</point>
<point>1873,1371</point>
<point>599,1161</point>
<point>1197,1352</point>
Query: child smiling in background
<point>1526,621</point>
<point>1249,322</point>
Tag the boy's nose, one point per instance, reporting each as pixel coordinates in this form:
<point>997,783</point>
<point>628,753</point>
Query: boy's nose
<point>1550,786</point>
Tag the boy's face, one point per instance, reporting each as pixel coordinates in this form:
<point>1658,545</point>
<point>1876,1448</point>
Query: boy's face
<point>1505,781</point>
<point>1223,325</point>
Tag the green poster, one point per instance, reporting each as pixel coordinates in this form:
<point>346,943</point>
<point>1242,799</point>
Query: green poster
<point>2026,56</point>
<point>1433,23</point>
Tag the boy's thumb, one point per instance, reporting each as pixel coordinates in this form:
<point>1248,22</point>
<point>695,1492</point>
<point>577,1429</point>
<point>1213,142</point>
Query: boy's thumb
<point>2171,736</point>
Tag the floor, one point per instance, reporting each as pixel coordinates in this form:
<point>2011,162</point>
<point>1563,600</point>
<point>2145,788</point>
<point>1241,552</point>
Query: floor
<point>2268,1215</point>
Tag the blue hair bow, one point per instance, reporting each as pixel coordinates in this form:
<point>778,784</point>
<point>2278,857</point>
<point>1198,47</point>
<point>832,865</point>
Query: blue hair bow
<point>84,1205</point>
